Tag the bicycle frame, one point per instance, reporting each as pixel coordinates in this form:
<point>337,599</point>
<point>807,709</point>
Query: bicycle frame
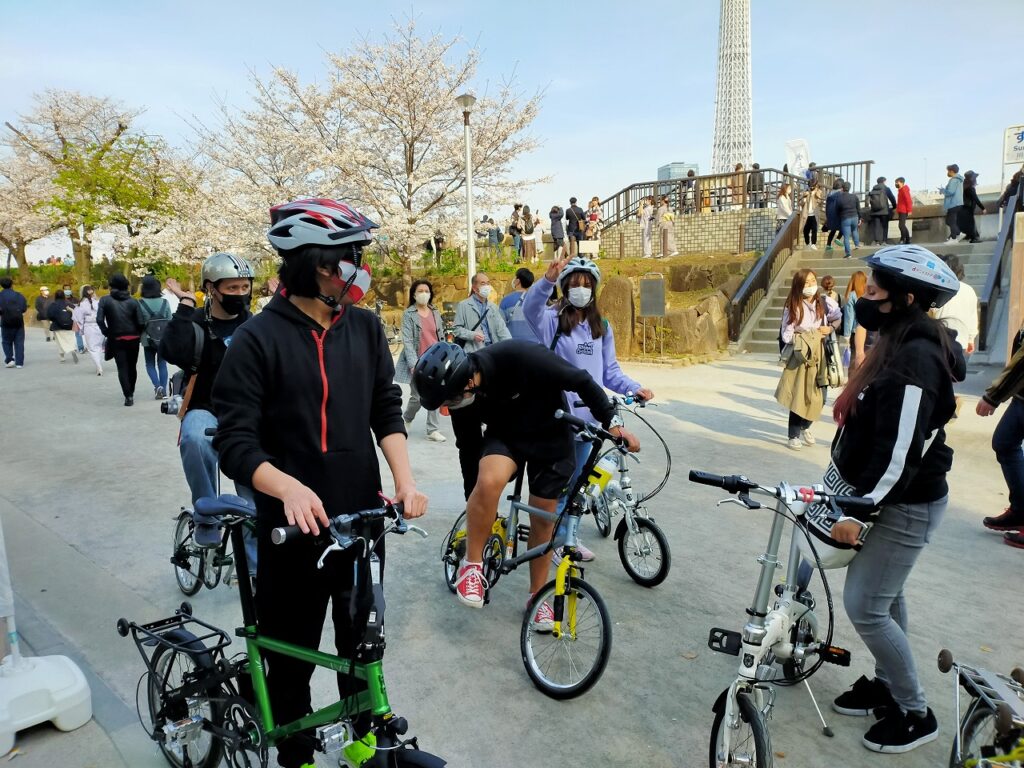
<point>373,700</point>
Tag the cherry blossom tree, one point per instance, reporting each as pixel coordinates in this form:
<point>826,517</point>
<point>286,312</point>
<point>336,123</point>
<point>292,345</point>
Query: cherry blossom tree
<point>24,189</point>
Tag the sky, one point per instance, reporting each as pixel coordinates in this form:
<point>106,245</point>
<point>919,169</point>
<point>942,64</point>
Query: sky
<point>627,87</point>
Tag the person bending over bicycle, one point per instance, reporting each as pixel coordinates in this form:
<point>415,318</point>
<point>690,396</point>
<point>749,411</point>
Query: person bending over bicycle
<point>516,387</point>
<point>195,340</point>
<point>575,331</point>
<point>891,448</point>
<point>303,391</point>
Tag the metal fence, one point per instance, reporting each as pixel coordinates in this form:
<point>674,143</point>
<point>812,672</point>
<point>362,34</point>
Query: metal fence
<point>1000,260</point>
<point>757,282</point>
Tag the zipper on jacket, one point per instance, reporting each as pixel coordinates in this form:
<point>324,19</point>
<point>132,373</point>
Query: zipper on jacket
<point>319,339</point>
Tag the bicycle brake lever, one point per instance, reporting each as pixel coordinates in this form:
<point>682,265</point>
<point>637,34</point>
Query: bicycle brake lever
<point>743,500</point>
<point>416,529</point>
<point>334,547</point>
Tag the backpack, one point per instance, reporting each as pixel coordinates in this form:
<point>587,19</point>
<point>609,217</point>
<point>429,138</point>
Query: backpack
<point>528,225</point>
<point>877,200</point>
<point>155,325</point>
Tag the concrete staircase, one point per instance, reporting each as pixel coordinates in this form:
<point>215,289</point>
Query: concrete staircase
<point>763,338</point>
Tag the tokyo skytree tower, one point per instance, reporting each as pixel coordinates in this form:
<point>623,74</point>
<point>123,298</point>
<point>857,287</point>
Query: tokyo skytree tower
<point>733,124</point>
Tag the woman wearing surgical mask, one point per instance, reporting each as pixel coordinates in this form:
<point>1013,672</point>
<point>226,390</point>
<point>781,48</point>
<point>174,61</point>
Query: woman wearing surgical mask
<point>807,320</point>
<point>421,326</point>
<point>575,331</point>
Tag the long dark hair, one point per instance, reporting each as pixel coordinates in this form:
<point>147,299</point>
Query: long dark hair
<point>890,342</point>
<point>569,316</point>
<point>412,291</point>
<point>795,300</point>
<point>85,295</point>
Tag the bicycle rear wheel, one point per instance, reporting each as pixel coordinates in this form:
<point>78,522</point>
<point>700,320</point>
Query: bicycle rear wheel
<point>189,560</point>
<point>566,666</point>
<point>749,745</point>
<point>978,730</point>
<point>645,554</point>
<point>171,669</point>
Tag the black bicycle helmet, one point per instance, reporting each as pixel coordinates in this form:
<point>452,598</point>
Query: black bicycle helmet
<point>441,374</point>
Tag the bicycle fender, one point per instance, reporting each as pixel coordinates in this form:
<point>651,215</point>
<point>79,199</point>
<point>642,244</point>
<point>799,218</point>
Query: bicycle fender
<point>719,706</point>
<point>620,529</point>
<point>414,758</point>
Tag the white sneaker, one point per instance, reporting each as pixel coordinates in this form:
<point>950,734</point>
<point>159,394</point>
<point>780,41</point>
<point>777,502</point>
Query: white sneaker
<point>795,444</point>
<point>10,364</point>
<point>436,437</point>
<point>813,247</point>
<point>950,240</point>
<point>807,438</point>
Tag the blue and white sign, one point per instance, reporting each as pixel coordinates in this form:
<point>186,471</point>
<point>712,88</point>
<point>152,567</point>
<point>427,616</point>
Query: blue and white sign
<point>1013,145</point>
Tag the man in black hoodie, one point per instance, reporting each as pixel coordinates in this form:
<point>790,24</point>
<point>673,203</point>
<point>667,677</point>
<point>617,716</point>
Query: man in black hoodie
<point>12,323</point>
<point>120,320</point>
<point>195,340</point>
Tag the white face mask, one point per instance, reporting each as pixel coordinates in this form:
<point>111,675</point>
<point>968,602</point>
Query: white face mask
<point>579,297</point>
<point>810,290</point>
<point>422,298</point>
<point>467,399</point>
<point>485,292</point>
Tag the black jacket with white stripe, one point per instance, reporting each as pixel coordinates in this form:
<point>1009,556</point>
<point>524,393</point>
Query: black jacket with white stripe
<point>892,449</point>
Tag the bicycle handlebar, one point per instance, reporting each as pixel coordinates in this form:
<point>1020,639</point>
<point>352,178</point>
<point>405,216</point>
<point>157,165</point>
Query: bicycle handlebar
<point>579,425</point>
<point>617,400</point>
<point>340,527</point>
<point>741,484</point>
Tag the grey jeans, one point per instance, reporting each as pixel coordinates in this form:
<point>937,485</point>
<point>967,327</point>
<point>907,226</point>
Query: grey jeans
<point>873,594</point>
<point>413,407</point>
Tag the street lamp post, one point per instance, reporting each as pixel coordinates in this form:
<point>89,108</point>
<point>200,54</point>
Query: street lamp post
<point>466,101</point>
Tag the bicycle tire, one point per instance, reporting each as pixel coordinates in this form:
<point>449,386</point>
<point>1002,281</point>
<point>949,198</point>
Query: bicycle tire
<point>190,580</point>
<point>211,571</point>
<point>542,652</point>
<point>210,749</point>
<point>452,554</point>
<point>602,514</point>
<point>638,550</point>
<point>978,729</point>
<point>761,741</point>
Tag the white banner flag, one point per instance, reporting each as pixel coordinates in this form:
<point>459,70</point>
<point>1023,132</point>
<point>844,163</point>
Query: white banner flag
<point>798,155</point>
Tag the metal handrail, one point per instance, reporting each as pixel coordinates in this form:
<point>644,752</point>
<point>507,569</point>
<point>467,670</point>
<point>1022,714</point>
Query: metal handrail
<point>755,287</point>
<point>990,291</point>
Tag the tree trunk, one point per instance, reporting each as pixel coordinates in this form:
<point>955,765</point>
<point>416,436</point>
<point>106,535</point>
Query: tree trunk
<point>24,275</point>
<point>81,249</point>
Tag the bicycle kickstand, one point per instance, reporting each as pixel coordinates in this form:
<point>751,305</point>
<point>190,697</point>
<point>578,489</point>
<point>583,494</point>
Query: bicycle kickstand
<point>824,726</point>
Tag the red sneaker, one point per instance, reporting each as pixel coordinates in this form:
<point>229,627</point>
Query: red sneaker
<point>1014,539</point>
<point>470,585</point>
<point>544,618</point>
<point>1010,520</point>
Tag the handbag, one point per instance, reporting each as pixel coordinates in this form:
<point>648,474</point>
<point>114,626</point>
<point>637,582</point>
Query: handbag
<point>830,371</point>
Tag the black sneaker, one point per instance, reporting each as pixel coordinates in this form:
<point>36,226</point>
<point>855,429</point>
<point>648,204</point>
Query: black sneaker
<point>863,698</point>
<point>897,732</point>
<point>1010,520</point>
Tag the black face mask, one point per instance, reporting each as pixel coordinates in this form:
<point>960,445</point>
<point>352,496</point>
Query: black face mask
<point>870,315</point>
<point>234,305</point>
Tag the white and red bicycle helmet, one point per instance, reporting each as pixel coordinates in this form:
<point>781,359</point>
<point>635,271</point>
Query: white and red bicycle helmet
<point>317,221</point>
<point>918,270</point>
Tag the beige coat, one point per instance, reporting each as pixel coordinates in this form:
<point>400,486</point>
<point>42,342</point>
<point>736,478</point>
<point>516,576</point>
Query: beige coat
<point>798,390</point>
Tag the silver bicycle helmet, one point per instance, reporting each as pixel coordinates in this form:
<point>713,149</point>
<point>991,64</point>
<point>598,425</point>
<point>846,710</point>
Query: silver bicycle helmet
<point>224,266</point>
<point>579,264</point>
<point>918,270</point>
<point>317,221</point>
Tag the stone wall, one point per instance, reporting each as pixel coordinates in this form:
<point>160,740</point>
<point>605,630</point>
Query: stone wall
<point>746,229</point>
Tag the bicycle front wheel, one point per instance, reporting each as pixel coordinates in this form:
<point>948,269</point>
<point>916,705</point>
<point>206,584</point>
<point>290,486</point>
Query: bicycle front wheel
<point>602,514</point>
<point>189,560</point>
<point>645,554</point>
<point>978,730</point>
<point>749,745</point>
<point>566,666</point>
<point>172,669</point>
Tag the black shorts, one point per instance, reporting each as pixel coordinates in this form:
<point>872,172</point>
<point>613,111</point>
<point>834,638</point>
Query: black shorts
<point>550,462</point>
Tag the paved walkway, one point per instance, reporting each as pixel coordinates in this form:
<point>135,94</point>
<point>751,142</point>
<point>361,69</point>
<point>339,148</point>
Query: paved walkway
<point>89,494</point>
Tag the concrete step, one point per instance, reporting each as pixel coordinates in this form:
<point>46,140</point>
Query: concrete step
<point>763,347</point>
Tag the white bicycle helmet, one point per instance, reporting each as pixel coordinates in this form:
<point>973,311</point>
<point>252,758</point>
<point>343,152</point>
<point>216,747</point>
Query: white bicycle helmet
<point>579,264</point>
<point>225,266</point>
<point>317,221</point>
<point>918,270</point>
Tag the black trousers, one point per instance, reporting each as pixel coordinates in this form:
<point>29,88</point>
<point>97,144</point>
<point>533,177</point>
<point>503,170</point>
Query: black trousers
<point>797,425</point>
<point>126,358</point>
<point>904,232</point>
<point>469,441</point>
<point>291,604</point>
<point>879,224</point>
<point>832,234</point>
<point>967,224</point>
<point>951,221</point>
<point>811,230</point>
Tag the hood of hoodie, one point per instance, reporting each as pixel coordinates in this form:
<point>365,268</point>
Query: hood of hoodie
<point>119,295</point>
<point>924,329</point>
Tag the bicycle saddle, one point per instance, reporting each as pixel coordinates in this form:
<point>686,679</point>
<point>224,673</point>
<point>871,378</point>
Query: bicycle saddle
<point>210,510</point>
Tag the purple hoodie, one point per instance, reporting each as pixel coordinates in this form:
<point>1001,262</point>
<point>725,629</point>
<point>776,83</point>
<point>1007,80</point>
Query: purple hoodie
<point>595,356</point>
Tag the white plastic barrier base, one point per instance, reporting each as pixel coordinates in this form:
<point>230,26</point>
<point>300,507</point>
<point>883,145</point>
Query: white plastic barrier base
<point>40,689</point>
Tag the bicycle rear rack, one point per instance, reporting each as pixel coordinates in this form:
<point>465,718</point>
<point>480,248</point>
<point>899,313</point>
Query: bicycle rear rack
<point>206,639</point>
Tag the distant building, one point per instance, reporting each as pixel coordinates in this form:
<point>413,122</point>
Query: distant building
<point>677,171</point>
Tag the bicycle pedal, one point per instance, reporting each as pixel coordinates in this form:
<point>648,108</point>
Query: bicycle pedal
<point>725,641</point>
<point>834,655</point>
